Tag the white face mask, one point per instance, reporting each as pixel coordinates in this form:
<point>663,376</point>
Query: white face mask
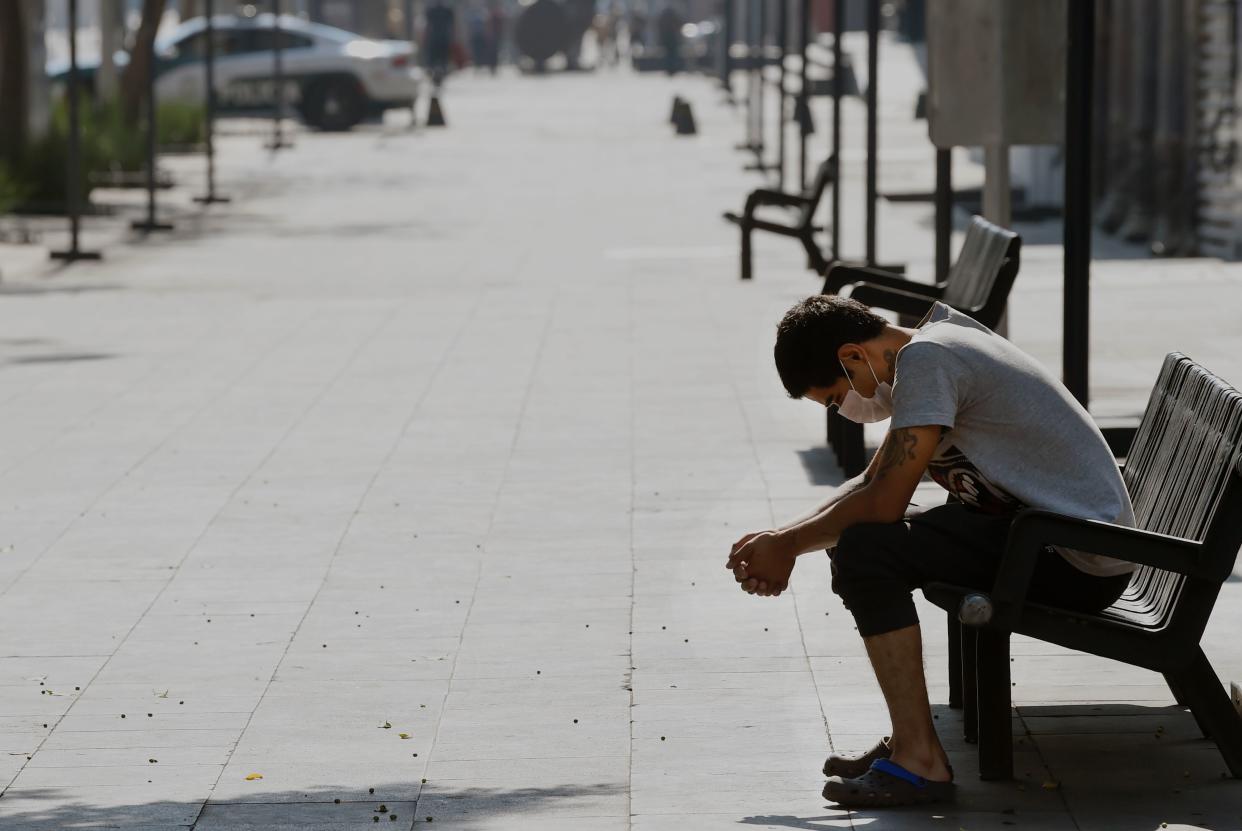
<point>867,410</point>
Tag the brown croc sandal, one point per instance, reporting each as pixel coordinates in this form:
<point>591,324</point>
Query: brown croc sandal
<point>887,785</point>
<point>848,767</point>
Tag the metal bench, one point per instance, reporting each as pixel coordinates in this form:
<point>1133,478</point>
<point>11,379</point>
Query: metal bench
<point>803,228</point>
<point>978,285</point>
<point>1184,475</point>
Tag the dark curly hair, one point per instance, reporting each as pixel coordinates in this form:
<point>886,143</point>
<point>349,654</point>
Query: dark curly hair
<point>810,334</point>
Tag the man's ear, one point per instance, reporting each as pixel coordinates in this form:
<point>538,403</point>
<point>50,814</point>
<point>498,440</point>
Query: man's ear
<point>850,352</point>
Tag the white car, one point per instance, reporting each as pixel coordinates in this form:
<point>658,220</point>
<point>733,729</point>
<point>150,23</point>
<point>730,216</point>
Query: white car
<point>333,78</point>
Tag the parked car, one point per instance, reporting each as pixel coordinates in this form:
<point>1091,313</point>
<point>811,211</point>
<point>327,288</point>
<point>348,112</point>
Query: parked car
<point>333,78</point>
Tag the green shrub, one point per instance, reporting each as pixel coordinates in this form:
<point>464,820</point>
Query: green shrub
<point>181,125</point>
<point>41,173</point>
<point>12,192</point>
<point>36,181</point>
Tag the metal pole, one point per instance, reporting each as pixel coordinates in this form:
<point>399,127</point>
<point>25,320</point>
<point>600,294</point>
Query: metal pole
<point>762,78</point>
<point>278,80</point>
<point>944,211</point>
<point>782,41</point>
<point>1080,57</point>
<point>210,92</point>
<point>726,63</point>
<point>803,106</point>
<point>873,66</point>
<point>748,18</point>
<point>73,171</point>
<point>838,90</point>
<point>151,223</point>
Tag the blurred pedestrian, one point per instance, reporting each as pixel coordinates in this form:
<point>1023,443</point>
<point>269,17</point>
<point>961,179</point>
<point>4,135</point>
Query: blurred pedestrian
<point>476,31</point>
<point>637,40</point>
<point>497,31</point>
<point>669,27</point>
<point>605,26</point>
<point>440,23</point>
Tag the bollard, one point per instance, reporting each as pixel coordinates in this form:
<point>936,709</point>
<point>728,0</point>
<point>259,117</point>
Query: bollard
<point>806,126</point>
<point>435,114</point>
<point>685,120</point>
<point>677,102</point>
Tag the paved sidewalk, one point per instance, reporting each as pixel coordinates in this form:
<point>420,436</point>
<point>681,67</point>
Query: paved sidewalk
<point>407,479</point>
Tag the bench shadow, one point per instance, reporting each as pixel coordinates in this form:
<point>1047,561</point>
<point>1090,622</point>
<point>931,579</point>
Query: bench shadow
<point>821,466</point>
<point>841,820</point>
<point>344,806</point>
<point>61,358</point>
<point>27,290</point>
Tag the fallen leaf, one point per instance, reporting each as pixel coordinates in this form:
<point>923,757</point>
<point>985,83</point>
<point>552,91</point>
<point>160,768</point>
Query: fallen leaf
<point>404,735</point>
<point>1050,785</point>
<point>386,726</point>
<point>250,777</point>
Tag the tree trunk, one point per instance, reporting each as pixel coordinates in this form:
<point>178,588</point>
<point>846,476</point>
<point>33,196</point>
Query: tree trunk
<point>134,82</point>
<point>14,103</point>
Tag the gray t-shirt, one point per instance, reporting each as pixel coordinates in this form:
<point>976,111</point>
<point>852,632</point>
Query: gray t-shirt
<point>1016,438</point>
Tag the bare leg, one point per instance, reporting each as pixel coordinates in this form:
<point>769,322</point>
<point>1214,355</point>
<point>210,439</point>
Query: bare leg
<point>897,658</point>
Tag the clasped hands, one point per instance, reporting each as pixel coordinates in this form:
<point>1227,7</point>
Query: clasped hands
<point>762,562</point>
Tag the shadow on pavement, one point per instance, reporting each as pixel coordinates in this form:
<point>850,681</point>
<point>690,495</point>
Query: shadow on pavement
<point>61,358</point>
<point>820,466</point>
<point>289,809</point>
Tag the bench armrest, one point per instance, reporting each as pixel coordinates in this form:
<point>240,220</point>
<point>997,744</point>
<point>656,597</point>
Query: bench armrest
<point>765,196</point>
<point>1033,530</point>
<point>902,302</point>
<point>843,274</point>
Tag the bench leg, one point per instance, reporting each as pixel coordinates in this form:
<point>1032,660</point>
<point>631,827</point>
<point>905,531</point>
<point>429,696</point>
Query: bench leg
<point>853,453</point>
<point>814,257</point>
<point>955,662</point>
<point>846,440</point>
<point>1180,697</point>
<point>834,435</point>
<point>746,253</point>
<point>1210,704</point>
<point>995,728</point>
<point>1174,688</point>
<point>970,684</point>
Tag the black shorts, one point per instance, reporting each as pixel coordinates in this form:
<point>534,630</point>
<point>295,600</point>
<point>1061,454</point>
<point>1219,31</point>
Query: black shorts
<point>876,566</point>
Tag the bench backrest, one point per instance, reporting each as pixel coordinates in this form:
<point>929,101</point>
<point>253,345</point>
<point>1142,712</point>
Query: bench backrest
<point>1183,472</point>
<point>979,264</point>
<point>824,176</point>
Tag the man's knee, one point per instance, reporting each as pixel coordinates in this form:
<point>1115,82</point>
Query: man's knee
<point>861,553</point>
<point>859,544</point>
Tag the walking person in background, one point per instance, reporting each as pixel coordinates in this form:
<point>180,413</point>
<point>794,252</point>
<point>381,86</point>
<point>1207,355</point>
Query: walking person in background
<point>637,39</point>
<point>605,25</point>
<point>669,26</point>
<point>440,24</point>
<point>497,26</point>
<point>476,29</point>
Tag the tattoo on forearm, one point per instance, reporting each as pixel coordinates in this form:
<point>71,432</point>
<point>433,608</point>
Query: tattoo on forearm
<point>898,448</point>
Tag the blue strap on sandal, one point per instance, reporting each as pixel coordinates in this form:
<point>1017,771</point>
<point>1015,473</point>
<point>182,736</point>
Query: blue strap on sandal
<point>893,769</point>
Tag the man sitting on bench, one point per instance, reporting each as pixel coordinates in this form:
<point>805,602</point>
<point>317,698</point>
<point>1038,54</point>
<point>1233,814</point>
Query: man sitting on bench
<point>994,428</point>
